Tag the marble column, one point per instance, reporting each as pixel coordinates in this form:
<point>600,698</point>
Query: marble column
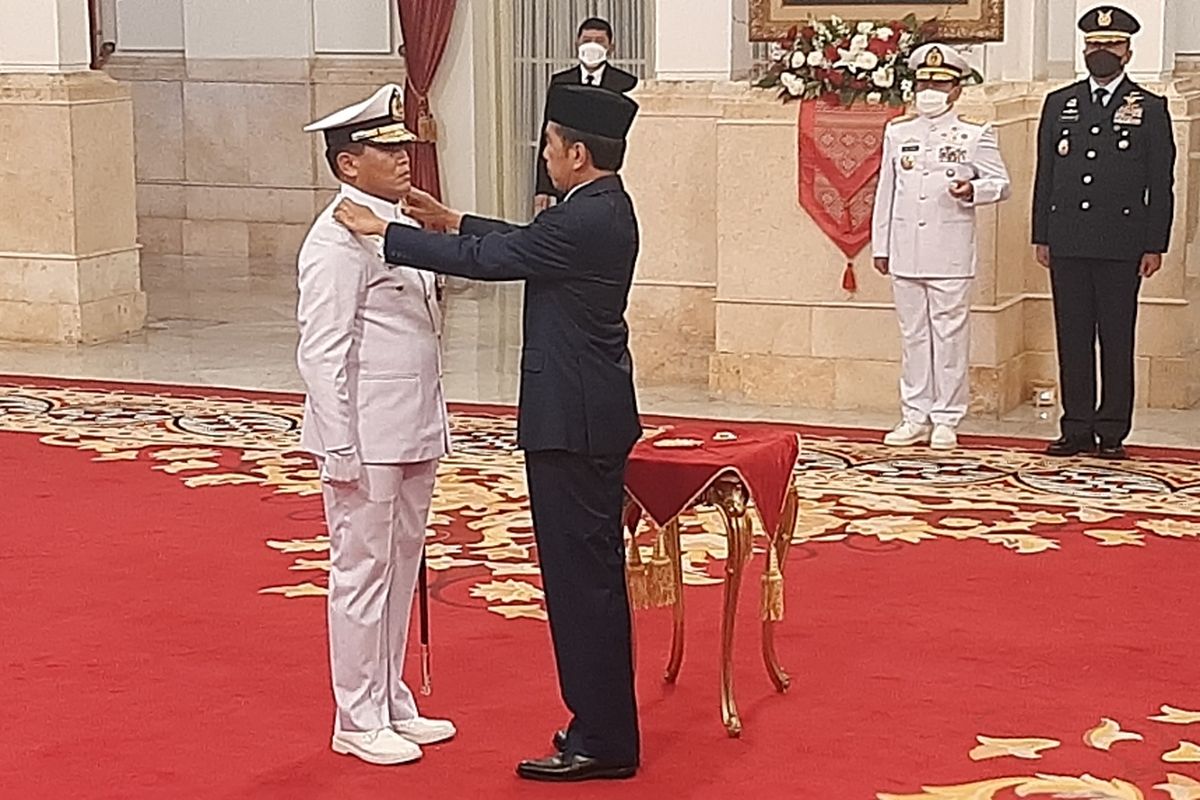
<point>69,267</point>
<point>702,40</point>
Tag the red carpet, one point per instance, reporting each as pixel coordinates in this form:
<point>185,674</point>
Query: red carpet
<point>139,660</point>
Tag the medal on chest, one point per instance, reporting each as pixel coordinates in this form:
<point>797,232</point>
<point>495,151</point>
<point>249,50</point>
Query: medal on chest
<point>1064,147</point>
<point>1131,112</point>
<point>908,155</point>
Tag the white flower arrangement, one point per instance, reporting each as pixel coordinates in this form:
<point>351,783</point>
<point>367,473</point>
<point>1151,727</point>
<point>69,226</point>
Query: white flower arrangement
<point>841,62</point>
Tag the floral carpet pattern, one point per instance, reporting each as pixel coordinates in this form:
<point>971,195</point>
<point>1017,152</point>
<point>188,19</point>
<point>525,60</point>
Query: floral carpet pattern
<point>856,496</point>
<point>853,493</point>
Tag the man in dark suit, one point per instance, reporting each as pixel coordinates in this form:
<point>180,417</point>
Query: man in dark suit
<point>1102,211</point>
<point>578,416</point>
<point>595,42</point>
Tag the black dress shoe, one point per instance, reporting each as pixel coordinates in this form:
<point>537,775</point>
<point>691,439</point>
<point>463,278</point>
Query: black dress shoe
<point>563,768</point>
<point>560,741</point>
<point>1070,447</point>
<point>1113,452</point>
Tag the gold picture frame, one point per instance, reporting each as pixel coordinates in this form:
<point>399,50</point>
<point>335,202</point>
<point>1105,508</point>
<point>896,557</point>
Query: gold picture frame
<point>958,21</point>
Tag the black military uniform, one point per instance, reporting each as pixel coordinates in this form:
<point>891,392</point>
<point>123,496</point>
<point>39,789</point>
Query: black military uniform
<point>612,78</point>
<point>577,422</point>
<point>1103,197</point>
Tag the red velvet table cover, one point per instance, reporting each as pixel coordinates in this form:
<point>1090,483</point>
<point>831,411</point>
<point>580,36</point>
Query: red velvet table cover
<point>666,481</point>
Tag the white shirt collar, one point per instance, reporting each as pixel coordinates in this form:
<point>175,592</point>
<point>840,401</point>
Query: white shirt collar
<point>576,189</point>
<point>1111,88</point>
<point>598,74</point>
<point>382,208</point>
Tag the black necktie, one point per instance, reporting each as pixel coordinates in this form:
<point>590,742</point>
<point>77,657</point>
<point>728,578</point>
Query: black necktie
<point>591,80</point>
<point>1101,95</point>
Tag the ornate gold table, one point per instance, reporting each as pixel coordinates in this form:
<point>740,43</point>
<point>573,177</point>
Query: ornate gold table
<point>658,583</point>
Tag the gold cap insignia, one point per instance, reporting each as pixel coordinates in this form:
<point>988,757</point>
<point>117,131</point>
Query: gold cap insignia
<point>1104,17</point>
<point>397,106</point>
<point>935,58</point>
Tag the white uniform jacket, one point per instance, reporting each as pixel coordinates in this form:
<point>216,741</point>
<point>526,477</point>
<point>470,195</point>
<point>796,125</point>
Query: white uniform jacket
<point>917,224</point>
<point>369,353</point>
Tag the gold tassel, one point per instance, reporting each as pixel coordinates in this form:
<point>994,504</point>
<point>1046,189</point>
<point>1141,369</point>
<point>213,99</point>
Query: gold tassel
<point>662,572</point>
<point>637,578</point>
<point>427,127</point>
<point>772,588</point>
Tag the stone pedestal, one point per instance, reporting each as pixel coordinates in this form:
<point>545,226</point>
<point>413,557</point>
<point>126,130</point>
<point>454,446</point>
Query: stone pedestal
<point>68,217</point>
<point>738,290</point>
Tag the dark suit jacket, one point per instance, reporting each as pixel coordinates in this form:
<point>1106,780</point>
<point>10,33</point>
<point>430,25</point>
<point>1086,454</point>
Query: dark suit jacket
<point>614,79</point>
<point>1105,186</point>
<point>577,262</point>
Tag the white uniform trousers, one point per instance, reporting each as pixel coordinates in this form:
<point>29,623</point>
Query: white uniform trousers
<point>377,533</point>
<point>935,331</point>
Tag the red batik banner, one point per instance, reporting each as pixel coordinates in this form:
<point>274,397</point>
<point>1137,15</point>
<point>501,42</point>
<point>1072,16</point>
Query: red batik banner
<point>841,149</point>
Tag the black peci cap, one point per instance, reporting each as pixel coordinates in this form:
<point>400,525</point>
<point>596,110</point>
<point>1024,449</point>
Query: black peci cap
<point>591,110</point>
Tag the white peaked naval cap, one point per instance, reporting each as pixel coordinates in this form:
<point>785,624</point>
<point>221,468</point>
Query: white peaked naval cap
<point>377,120</point>
<point>938,62</point>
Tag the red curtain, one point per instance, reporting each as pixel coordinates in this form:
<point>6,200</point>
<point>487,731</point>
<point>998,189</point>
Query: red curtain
<point>425,25</point>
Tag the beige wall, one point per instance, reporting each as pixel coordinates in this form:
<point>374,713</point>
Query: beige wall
<point>224,168</point>
<point>738,290</point>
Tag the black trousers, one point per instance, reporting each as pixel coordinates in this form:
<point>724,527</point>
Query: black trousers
<point>577,502</point>
<point>1094,298</point>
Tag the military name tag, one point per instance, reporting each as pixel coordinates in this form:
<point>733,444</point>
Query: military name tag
<point>910,148</point>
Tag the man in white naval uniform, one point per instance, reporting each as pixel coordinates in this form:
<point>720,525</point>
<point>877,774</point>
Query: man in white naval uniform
<point>937,169</point>
<point>375,418</point>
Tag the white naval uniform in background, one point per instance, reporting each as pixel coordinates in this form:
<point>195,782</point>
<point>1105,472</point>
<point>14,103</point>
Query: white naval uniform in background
<point>929,238</point>
<point>370,359</point>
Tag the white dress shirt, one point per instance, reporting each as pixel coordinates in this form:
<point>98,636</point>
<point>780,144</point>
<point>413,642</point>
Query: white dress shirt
<point>1111,87</point>
<point>597,76</point>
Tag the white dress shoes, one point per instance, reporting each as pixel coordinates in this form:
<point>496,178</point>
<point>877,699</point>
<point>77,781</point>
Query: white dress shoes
<point>422,731</point>
<point>384,746</point>
<point>944,438</point>
<point>907,434</point>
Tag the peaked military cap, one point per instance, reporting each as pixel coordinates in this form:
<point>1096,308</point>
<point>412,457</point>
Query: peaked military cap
<point>377,120</point>
<point>1108,24</point>
<point>938,62</point>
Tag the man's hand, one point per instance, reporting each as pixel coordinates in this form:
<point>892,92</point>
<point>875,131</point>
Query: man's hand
<point>963,190</point>
<point>342,468</point>
<point>1151,263</point>
<point>541,202</point>
<point>422,207</point>
<point>1042,253</point>
<point>359,219</point>
<point>883,265</point>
